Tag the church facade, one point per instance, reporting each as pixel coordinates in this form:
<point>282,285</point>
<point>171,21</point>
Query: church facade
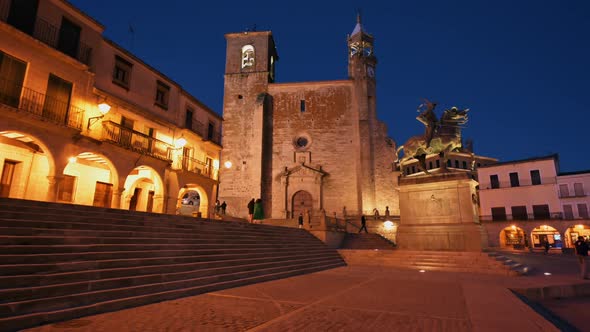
<point>307,146</point>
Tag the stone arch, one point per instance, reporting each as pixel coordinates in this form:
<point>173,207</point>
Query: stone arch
<point>96,179</point>
<point>34,170</point>
<point>203,208</point>
<point>512,237</point>
<point>301,201</point>
<point>543,233</point>
<point>571,233</point>
<point>138,186</point>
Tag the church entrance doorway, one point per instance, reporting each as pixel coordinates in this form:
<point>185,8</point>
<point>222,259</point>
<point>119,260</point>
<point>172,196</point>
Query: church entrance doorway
<point>302,202</point>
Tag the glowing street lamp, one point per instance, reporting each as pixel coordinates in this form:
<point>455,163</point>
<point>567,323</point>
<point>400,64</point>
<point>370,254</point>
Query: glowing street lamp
<point>227,164</point>
<point>180,142</point>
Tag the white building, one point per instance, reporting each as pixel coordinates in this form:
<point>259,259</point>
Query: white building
<point>527,202</point>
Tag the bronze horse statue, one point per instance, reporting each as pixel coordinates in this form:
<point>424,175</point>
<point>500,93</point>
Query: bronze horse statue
<point>440,137</point>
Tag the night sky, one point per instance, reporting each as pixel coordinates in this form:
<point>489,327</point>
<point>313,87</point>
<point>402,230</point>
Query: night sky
<point>521,67</point>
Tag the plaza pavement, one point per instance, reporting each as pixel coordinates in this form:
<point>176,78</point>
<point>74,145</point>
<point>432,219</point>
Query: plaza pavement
<point>352,298</point>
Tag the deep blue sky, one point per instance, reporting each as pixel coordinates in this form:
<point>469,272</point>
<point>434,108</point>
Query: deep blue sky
<point>522,67</point>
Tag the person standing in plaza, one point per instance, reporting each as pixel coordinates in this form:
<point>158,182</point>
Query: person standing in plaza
<point>582,254</point>
<point>258,213</point>
<point>300,220</point>
<point>250,210</point>
<point>363,224</point>
<point>546,246</point>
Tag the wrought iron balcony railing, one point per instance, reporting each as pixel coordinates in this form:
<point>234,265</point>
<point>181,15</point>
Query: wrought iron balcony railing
<point>213,137</point>
<point>524,182</point>
<point>41,105</point>
<point>135,141</point>
<point>196,127</point>
<point>50,35</point>
<point>199,167</point>
<point>528,216</point>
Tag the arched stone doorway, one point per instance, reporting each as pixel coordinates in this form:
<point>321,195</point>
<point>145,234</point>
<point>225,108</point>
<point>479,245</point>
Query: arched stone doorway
<point>302,202</point>
<point>546,233</point>
<point>27,167</point>
<point>192,199</point>
<point>143,190</point>
<point>513,237</point>
<point>572,233</point>
<point>88,179</point>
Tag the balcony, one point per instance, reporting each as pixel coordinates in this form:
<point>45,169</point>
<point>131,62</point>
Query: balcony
<point>213,137</point>
<point>135,141</point>
<point>198,167</point>
<point>199,128</point>
<point>196,126</point>
<point>521,183</point>
<point>40,105</point>
<point>50,35</point>
<point>523,217</point>
<point>571,195</point>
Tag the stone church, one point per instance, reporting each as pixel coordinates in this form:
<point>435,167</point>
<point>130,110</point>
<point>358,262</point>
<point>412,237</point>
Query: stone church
<point>305,146</point>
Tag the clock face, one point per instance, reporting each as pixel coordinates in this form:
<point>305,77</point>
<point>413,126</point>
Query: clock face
<point>370,71</point>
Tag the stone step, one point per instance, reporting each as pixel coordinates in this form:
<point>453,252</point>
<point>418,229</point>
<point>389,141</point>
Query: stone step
<point>54,290</point>
<point>21,230</point>
<point>59,261</point>
<point>58,240</point>
<point>19,281</point>
<point>40,258</point>
<point>17,269</point>
<point>97,248</point>
<point>59,221</point>
<point>20,321</point>
<point>89,296</point>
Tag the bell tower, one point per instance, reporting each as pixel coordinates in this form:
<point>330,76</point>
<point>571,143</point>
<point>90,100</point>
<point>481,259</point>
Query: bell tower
<point>245,170</point>
<point>361,56</point>
<point>361,70</point>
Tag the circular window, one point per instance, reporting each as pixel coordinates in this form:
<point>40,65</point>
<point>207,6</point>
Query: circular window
<point>301,142</point>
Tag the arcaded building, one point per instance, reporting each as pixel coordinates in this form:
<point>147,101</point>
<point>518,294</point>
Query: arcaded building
<point>84,121</point>
<point>306,146</point>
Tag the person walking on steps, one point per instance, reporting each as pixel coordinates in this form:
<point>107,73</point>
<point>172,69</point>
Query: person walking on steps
<point>223,207</point>
<point>582,254</point>
<point>300,220</point>
<point>363,224</point>
<point>258,212</point>
<point>251,211</point>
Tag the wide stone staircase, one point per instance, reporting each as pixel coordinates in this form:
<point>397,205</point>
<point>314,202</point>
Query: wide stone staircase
<point>469,262</point>
<point>366,241</point>
<point>61,261</point>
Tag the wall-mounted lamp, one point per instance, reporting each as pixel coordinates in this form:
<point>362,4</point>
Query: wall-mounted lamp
<point>227,164</point>
<point>180,142</point>
<point>103,108</point>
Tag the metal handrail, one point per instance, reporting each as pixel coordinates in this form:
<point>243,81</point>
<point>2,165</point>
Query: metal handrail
<point>199,167</point>
<point>34,102</point>
<point>522,217</point>
<point>49,34</point>
<point>523,182</point>
<point>135,141</point>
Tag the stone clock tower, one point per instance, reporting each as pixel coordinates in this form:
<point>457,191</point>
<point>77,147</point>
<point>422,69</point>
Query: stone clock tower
<point>245,169</point>
<point>361,69</point>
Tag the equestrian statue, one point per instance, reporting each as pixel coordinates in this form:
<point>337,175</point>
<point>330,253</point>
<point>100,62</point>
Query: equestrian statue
<point>440,136</point>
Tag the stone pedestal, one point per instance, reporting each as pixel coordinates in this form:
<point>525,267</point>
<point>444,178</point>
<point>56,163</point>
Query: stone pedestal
<point>440,212</point>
